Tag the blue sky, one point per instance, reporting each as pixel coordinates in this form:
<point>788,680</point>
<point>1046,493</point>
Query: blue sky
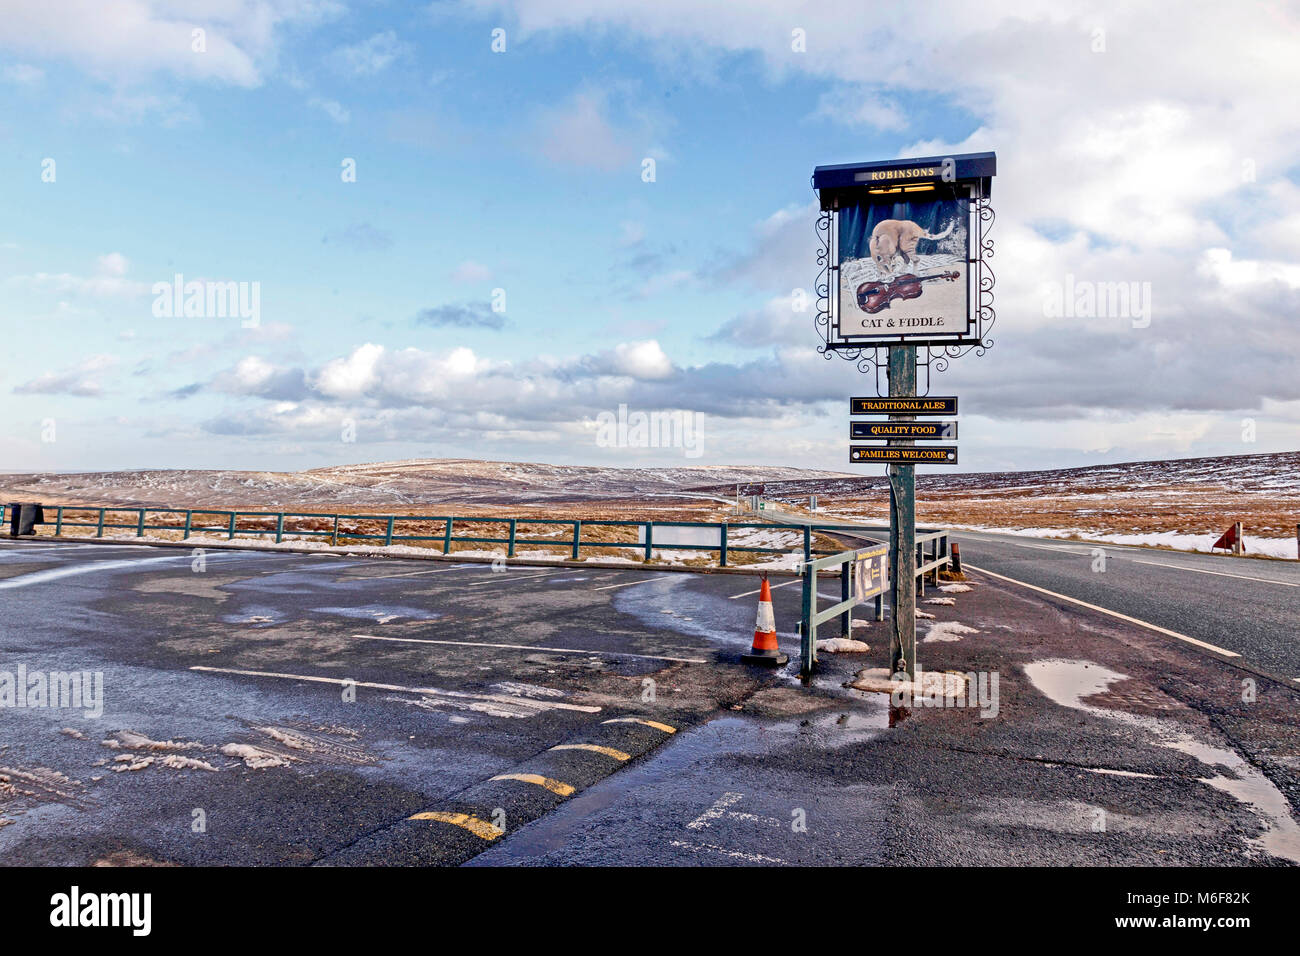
<point>519,173</point>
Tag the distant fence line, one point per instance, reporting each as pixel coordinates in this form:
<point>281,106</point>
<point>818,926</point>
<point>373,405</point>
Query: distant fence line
<point>343,529</point>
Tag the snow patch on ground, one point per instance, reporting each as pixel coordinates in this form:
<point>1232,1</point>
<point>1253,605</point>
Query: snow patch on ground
<point>1270,547</point>
<point>947,631</point>
<point>841,645</point>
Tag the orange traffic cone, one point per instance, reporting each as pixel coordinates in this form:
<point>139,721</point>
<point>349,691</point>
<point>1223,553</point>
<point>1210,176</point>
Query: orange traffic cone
<point>764,650</point>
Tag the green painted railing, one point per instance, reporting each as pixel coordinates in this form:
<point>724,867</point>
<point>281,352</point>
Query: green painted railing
<point>874,585</point>
<point>442,530</point>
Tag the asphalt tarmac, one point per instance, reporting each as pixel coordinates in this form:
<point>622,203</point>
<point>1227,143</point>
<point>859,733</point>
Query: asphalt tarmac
<point>291,709</point>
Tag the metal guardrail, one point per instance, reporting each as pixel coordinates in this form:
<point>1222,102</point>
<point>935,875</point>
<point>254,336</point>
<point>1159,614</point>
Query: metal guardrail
<point>926,565</point>
<point>387,529</point>
<point>875,558</point>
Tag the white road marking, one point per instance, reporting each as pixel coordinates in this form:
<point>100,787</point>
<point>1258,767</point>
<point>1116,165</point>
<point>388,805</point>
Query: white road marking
<point>1104,610</point>
<point>50,547</point>
<point>1045,547</point>
<point>1224,574</point>
<point>626,584</point>
<point>532,647</point>
<point>771,587</point>
<point>54,574</point>
<point>426,691</point>
<point>733,854</point>
<point>409,574</point>
<point>714,812</point>
<point>506,576</point>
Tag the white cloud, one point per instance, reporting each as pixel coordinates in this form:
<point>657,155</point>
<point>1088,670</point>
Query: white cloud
<point>853,106</point>
<point>113,264</point>
<point>370,56</point>
<point>82,380</point>
<point>643,360</point>
<point>351,376</point>
<point>580,133</point>
<point>126,40</point>
<point>470,271</point>
<point>23,74</point>
<point>331,108</point>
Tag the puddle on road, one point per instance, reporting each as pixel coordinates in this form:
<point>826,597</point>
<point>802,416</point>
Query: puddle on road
<point>841,727</point>
<point>256,616</point>
<point>380,613</point>
<point>1070,682</point>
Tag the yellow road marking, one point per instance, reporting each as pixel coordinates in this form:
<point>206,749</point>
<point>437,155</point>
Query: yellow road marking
<point>640,720</point>
<point>595,748</point>
<point>480,828</point>
<point>563,789</point>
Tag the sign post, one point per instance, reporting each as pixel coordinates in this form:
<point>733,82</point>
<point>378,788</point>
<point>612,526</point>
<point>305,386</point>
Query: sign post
<point>902,525</point>
<point>906,286</point>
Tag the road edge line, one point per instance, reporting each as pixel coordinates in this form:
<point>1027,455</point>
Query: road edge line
<point>1103,610</point>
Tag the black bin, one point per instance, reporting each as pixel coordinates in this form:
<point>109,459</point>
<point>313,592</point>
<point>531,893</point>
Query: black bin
<point>23,518</point>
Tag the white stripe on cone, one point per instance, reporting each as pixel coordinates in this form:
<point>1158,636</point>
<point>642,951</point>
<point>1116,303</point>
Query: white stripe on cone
<point>766,623</point>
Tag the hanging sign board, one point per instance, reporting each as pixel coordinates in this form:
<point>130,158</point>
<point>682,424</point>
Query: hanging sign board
<point>904,431</point>
<point>903,455</point>
<point>928,405</point>
<point>905,251</point>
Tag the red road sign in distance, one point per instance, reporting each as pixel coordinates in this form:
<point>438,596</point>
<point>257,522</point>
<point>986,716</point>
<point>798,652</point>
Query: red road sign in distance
<point>905,431</point>
<point>928,405</point>
<point>903,455</point>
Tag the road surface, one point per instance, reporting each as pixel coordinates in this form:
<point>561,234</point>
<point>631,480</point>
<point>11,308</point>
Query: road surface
<point>1246,607</point>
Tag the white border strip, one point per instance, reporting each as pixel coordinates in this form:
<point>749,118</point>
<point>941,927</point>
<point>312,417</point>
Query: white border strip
<point>1104,610</point>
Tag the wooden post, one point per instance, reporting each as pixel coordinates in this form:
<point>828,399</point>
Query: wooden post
<point>1238,546</point>
<point>902,525</point>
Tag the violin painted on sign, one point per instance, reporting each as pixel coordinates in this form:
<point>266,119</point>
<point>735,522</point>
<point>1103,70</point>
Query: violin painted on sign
<point>875,296</point>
